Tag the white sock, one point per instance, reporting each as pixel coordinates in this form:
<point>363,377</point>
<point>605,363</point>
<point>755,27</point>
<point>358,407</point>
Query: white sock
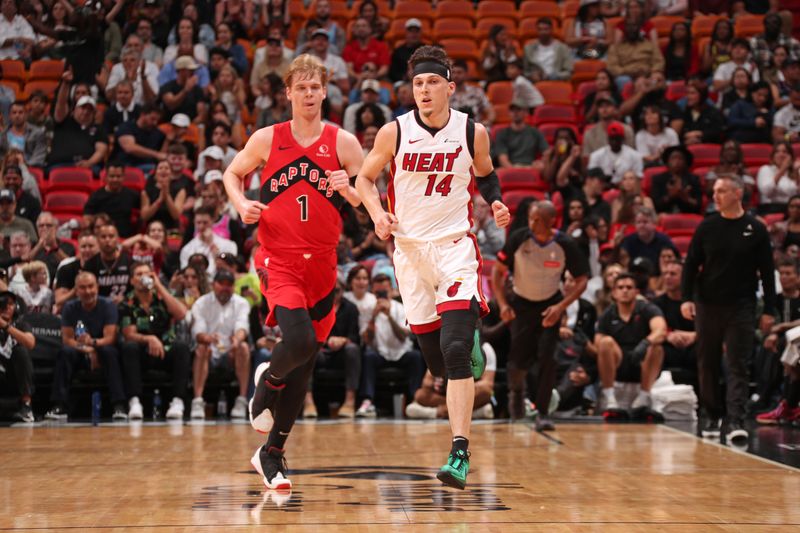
<point>611,397</point>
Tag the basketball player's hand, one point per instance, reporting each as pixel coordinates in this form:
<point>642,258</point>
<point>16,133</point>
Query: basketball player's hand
<point>507,314</point>
<point>502,217</point>
<point>688,310</point>
<point>338,180</point>
<point>250,211</point>
<point>385,225</point>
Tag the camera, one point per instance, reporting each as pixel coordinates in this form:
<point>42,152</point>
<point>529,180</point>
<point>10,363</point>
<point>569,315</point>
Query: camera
<point>382,294</point>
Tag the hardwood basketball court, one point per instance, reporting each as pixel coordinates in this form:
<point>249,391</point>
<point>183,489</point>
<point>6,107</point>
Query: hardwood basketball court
<point>369,476</point>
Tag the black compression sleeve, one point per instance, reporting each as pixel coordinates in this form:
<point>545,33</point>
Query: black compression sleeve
<point>489,187</point>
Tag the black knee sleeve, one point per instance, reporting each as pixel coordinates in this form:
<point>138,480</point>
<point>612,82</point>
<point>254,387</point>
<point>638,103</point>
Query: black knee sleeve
<point>430,343</point>
<point>297,333</point>
<point>457,339</point>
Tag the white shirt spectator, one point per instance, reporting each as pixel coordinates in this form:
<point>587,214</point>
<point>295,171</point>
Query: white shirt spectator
<point>725,70</point>
<point>197,246</point>
<point>386,342</point>
<point>336,66</point>
<point>617,164</point>
<point>117,74</point>
<point>200,54</point>
<point>16,27</point>
<point>545,57</point>
<point>210,317</point>
<point>40,301</point>
<point>788,118</point>
<point>153,52</point>
<point>771,192</point>
<point>526,92</point>
<point>365,305</point>
<point>648,144</point>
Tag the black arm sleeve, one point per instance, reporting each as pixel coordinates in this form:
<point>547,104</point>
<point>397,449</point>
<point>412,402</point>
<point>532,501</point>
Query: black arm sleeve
<point>489,187</point>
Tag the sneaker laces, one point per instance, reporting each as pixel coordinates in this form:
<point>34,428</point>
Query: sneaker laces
<point>458,458</point>
<point>275,463</point>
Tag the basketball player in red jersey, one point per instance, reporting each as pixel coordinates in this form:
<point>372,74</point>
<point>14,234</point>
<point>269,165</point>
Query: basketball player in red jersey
<point>434,153</point>
<point>304,183</point>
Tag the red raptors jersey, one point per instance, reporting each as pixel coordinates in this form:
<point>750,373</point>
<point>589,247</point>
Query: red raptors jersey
<point>303,214</point>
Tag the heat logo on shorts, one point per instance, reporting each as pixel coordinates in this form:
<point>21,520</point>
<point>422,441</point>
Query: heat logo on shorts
<point>453,289</point>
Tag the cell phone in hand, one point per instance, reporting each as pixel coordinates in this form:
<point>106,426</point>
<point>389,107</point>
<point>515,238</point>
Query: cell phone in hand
<point>382,294</point>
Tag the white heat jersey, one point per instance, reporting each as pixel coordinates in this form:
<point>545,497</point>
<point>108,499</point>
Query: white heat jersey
<point>431,186</point>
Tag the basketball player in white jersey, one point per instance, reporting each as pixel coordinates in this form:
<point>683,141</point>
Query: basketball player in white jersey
<point>434,152</point>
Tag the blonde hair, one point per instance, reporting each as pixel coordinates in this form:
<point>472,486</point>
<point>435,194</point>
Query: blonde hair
<point>306,66</point>
<point>31,269</point>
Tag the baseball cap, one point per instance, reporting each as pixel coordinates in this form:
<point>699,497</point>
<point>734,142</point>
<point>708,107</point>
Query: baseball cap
<point>224,275</point>
<point>371,85</point>
<point>214,152</point>
<point>86,100</point>
<point>186,62</point>
<point>615,129</point>
<point>413,23</point>
<point>212,175</point>
<point>7,195</point>
<point>180,120</point>
<point>319,32</point>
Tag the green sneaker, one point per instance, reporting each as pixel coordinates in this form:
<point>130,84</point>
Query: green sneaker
<point>477,357</point>
<point>454,473</point>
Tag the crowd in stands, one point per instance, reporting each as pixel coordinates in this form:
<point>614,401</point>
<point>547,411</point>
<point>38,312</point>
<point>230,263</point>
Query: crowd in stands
<point>120,116</point>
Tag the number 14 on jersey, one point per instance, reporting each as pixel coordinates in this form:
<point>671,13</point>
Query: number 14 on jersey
<point>443,187</point>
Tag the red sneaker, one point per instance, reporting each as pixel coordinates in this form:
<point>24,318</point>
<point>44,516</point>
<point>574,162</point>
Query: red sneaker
<point>793,415</point>
<point>776,416</point>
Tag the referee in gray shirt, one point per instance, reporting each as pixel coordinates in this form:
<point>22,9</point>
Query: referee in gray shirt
<point>537,257</point>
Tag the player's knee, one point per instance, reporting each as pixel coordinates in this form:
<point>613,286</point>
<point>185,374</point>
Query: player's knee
<point>457,358</point>
<point>301,340</point>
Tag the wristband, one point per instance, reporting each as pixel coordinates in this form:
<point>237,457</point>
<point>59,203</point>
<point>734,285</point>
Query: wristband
<point>489,187</point>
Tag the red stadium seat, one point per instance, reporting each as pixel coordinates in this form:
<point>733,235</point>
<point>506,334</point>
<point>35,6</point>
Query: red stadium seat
<point>465,49</point>
<point>513,198</point>
<point>46,69</point>
<point>538,8</point>
<point>681,242</point>
<point>463,9</point>
<point>66,203</point>
<point>484,25</point>
<point>705,155</point>
<point>663,24</point>
<point>679,223</point>
<point>773,218</point>
<point>757,154</point>
<point>584,90</point>
<point>38,175</point>
<point>703,25</point>
<point>515,179</point>
<point>647,178</point>
<point>610,195</point>
<point>556,92</point>
<point>496,8</point>
<point>586,70</point>
<point>413,9</point>
<point>554,113</point>
<point>449,28</point>
<point>71,179</point>
<point>14,70</point>
<point>676,90</point>
<point>500,92</point>
<point>748,25</point>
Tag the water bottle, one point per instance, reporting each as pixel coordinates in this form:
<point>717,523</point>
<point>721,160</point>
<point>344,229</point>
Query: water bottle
<point>156,404</point>
<point>96,404</point>
<point>80,329</point>
<point>222,405</point>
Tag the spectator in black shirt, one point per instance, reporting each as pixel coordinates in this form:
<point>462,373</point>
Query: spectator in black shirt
<point>16,341</point>
<point>629,341</point>
<point>182,94</point>
<point>702,123</point>
<point>111,266</point>
<point>677,190</point>
<point>141,143</point>
<point>398,68</point>
<point>27,205</point>
<point>679,345</point>
<point>117,201</point>
<point>730,251</point>
<point>646,242</point>
<point>68,270</point>
<point>50,249</point>
<point>77,141</point>
<point>123,110</point>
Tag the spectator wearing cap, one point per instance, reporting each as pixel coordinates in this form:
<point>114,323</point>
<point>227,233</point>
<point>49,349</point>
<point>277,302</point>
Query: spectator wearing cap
<point>178,133</point>
<point>183,94</point>
<point>140,142</point>
<point>616,158</point>
<point>210,160</point>
<point>49,248</point>
<point>364,49</point>
<point>206,241</point>
<point>320,47</point>
<point>77,140</point>
<point>547,58</point>
<point>122,110</point>
<point>677,190</point>
<point>10,222</point>
<point>169,191</point>
<point>18,36</point>
<point>142,74</point>
<point>633,56</point>
<point>468,98</point>
<point>221,329</point>
<point>20,134</point>
<point>225,42</point>
<point>398,69</point>
<point>520,144</point>
<point>115,200</point>
<point>274,61</point>
<point>740,58</point>
<point>646,241</point>
<point>16,341</point>
<point>27,205</point>
<point>370,90</point>
<point>763,44</point>
<point>786,124</point>
<point>596,137</point>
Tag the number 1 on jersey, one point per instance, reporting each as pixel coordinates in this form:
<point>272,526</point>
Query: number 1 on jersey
<point>443,188</point>
<point>303,201</point>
